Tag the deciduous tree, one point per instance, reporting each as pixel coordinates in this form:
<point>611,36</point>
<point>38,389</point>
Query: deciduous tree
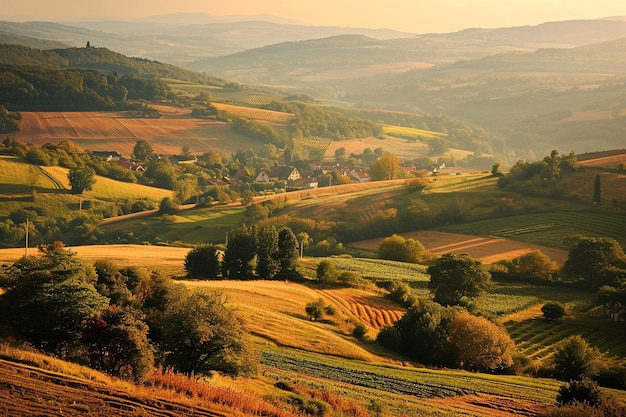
<point>240,252</point>
<point>202,334</point>
<point>574,358</point>
<point>287,255</point>
<point>47,299</point>
<point>590,256</point>
<point>479,344</point>
<point>117,343</point>
<point>387,167</point>
<point>267,249</point>
<point>457,277</point>
<point>81,179</point>
<point>203,261</point>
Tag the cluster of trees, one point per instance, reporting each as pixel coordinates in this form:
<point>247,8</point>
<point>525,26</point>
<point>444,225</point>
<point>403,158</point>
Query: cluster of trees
<point>530,177</point>
<point>317,121</point>
<point>262,252</point>
<point>9,121</point>
<point>121,320</point>
<point>449,336</point>
<point>442,332</point>
<point>45,89</point>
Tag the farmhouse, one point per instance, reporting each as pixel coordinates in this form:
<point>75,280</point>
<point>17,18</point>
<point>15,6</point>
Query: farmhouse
<point>302,183</point>
<point>278,173</point>
<point>125,163</point>
<point>182,159</point>
<point>108,156</point>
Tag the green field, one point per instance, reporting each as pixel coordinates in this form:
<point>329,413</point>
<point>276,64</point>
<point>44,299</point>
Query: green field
<point>19,177</point>
<point>549,229</point>
<point>189,226</point>
<point>411,132</point>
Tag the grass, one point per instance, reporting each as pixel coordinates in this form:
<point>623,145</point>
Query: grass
<point>19,177</point>
<point>190,226</point>
<point>108,189</point>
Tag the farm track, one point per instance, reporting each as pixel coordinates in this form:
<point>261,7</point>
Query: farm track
<point>31,391</point>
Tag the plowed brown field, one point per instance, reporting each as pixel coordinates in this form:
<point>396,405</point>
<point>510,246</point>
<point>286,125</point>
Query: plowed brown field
<point>114,131</point>
<point>488,250</point>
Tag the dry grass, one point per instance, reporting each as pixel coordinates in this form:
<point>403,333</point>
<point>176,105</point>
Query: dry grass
<point>167,259</point>
<point>40,385</point>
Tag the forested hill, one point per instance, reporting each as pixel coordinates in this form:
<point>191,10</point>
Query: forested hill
<point>99,59</point>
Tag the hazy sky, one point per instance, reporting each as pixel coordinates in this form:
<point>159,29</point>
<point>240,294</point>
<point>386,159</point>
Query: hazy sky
<point>417,16</point>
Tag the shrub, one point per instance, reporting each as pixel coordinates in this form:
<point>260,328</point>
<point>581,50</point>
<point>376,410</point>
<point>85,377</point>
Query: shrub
<point>315,310</point>
<point>553,310</point>
<point>326,272</point>
<point>203,262</point>
<point>583,391</point>
<point>390,338</point>
<point>574,358</point>
<point>359,330</point>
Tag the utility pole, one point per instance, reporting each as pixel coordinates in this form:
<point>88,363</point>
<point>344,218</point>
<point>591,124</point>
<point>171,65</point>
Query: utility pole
<point>26,241</point>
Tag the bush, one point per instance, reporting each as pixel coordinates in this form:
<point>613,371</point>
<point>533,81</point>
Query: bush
<point>390,338</point>
<point>553,310</point>
<point>583,391</point>
<point>203,262</point>
<point>359,330</point>
<point>315,310</point>
<point>326,272</point>
<point>574,359</point>
<point>168,206</point>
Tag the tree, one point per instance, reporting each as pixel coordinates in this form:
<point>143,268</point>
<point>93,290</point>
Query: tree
<point>597,190</point>
<point>535,264</point>
<point>423,330</point>
<point>203,261</point>
<point>495,170</point>
<point>386,167</point>
<point>553,310</point>
<point>142,151</point>
<point>590,256</point>
<point>81,179</point>
<point>478,344</point>
<point>397,248</point>
<point>167,206</point>
<point>47,299</point>
<point>240,252</point>
<point>287,255</point>
<point>326,271</point>
<point>574,358</point>
<point>267,248</point>
<point>117,343</point>
<point>202,334</point>
<point>456,277</point>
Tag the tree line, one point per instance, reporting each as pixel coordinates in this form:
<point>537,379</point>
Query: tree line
<point>251,252</point>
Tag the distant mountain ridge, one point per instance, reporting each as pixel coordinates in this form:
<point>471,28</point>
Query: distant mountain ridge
<point>167,39</point>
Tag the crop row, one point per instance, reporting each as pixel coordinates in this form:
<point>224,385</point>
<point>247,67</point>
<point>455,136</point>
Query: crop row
<point>548,228</point>
<point>316,143</point>
<point>388,383</point>
<point>376,269</point>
